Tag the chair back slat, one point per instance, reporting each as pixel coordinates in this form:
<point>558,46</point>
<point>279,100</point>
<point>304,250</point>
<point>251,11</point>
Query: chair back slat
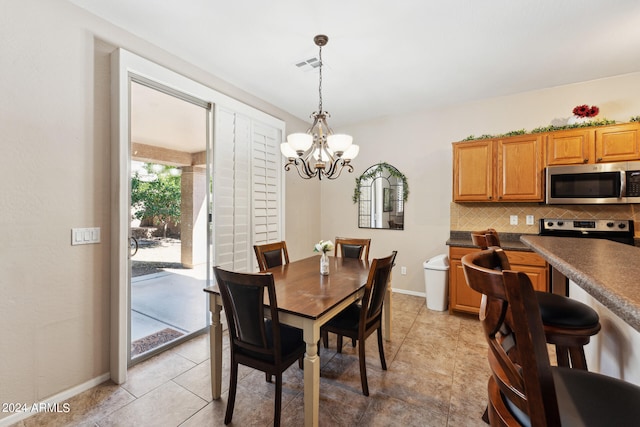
<point>348,247</point>
<point>485,238</point>
<point>271,255</point>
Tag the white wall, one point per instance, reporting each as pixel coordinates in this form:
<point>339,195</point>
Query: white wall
<point>419,145</point>
<point>55,136</point>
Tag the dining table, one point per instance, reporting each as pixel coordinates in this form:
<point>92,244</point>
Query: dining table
<point>307,300</point>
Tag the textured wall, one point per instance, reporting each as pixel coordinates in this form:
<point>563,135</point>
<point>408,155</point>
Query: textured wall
<point>478,216</point>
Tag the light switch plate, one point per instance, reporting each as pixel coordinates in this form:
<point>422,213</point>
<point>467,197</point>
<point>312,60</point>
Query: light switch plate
<point>513,219</point>
<point>85,236</point>
<point>530,220</point>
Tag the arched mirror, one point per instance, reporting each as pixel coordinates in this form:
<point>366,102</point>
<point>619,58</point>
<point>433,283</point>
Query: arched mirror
<point>381,192</point>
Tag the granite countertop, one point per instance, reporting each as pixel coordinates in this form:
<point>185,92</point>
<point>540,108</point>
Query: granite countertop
<point>508,241</point>
<point>608,271</point>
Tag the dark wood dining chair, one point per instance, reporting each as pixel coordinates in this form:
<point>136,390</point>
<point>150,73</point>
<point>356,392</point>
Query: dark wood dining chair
<point>361,319</point>
<point>255,341</point>
<point>524,389</point>
<point>271,255</point>
<point>568,324</point>
<point>348,247</point>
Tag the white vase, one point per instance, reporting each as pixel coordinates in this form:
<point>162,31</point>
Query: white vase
<point>574,120</point>
<point>324,264</point>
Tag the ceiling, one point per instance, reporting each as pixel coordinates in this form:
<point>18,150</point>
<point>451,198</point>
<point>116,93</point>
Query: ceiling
<point>389,57</point>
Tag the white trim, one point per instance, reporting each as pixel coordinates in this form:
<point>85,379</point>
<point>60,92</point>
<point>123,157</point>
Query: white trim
<point>406,292</point>
<point>57,398</point>
<point>124,64</point>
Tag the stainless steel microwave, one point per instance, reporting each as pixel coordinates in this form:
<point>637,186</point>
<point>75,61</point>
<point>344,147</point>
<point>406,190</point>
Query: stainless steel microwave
<point>600,183</point>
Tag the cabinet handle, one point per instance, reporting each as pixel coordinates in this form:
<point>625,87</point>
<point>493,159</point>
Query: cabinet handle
<point>586,160</point>
<point>599,159</point>
<point>489,197</point>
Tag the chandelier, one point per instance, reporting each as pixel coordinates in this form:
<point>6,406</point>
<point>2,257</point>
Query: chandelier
<point>319,152</point>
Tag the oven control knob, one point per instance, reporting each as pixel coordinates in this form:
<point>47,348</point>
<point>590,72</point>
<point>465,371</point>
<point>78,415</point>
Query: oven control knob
<point>622,225</point>
<point>550,224</point>
<point>560,223</point>
<point>609,224</point>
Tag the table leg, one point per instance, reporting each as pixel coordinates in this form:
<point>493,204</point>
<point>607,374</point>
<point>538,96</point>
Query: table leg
<point>215,348</point>
<point>311,375</point>
<point>387,315</point>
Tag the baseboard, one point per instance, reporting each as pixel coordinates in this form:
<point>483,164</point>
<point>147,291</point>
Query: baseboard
<point>58,398</point>
<point>414,293</point>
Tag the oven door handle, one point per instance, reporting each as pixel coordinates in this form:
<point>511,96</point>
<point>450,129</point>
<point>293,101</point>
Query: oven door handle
<point>623,184</point>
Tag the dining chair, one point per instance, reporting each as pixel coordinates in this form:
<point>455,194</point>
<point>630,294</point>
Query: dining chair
<point>524,389</point>
<point>568,324</point>
<point>271,255</point>
<point>348,247</point>
<point>255,341</point>
<point>363,318</point>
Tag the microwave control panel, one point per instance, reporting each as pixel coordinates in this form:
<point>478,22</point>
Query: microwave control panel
<point>633,184</point>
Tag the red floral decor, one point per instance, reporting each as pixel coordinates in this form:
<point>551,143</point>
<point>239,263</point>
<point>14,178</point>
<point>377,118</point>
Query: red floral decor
<point>586,111</point>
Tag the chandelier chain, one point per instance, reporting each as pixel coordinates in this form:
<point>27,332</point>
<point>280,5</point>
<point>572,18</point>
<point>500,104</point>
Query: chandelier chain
<point>320,82</point>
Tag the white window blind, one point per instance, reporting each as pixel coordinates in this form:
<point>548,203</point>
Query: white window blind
<point>247,188</point>
<point>266,184</point>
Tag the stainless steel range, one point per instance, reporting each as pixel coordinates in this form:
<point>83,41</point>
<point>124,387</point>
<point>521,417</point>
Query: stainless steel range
<point>611,229</point>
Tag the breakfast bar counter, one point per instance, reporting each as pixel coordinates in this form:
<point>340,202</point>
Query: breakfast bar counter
<point>606,270</point>
<point>605,275</point>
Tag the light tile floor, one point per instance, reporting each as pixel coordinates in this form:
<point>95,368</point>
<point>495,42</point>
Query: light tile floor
<point>437,375</point>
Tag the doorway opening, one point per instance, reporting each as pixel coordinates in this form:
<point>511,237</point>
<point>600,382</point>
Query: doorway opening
<point>169,219</point>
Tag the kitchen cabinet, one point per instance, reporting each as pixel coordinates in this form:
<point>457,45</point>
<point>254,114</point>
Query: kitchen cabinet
<point>472,170</point>
<point>464,299</point>
<point>575,146</point>
<point>499,170</point>
<point>520,168</point>
<point>615,143</point>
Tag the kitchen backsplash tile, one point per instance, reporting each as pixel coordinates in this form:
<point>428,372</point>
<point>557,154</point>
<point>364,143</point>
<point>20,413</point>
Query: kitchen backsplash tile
<point>478,216</point>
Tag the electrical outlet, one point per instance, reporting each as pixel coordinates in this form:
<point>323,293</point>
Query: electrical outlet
<point>513,219</point>
<point>403,270</point>
<point>530,220</point>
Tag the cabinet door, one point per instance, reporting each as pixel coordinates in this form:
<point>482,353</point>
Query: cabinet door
<point>464,299</point>
<point>570,147</point>
<point>520,166</point>
<point>472,171</point>
<point>618,143</point>
<point>461,297</point>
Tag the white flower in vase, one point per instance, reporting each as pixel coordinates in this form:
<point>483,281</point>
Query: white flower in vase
<point>323,246</point>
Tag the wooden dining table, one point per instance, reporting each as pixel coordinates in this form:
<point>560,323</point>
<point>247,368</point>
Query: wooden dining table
<point>307,300</point>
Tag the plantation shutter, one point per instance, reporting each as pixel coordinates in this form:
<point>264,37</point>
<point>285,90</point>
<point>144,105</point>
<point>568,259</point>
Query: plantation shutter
<point>223,184</point>
<point>266,184</point>
<point>247,188</point>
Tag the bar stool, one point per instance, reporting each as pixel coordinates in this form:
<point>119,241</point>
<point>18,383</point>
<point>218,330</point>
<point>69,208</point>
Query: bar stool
<point>568,324</point>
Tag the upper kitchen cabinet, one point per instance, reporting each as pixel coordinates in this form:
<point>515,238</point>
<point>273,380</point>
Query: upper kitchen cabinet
<point>520,169</point>
<point>615,143</point>
<point>569,147</point>
<point>473,171</point>
<point>498,170</point>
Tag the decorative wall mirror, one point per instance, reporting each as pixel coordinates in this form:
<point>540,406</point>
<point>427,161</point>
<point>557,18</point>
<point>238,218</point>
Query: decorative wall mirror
<point>381,192</point>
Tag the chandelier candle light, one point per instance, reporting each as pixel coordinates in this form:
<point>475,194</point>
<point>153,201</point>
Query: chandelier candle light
<point>319,152</point>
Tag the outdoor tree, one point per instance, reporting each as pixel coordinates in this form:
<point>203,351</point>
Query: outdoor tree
<point>155,193</point>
